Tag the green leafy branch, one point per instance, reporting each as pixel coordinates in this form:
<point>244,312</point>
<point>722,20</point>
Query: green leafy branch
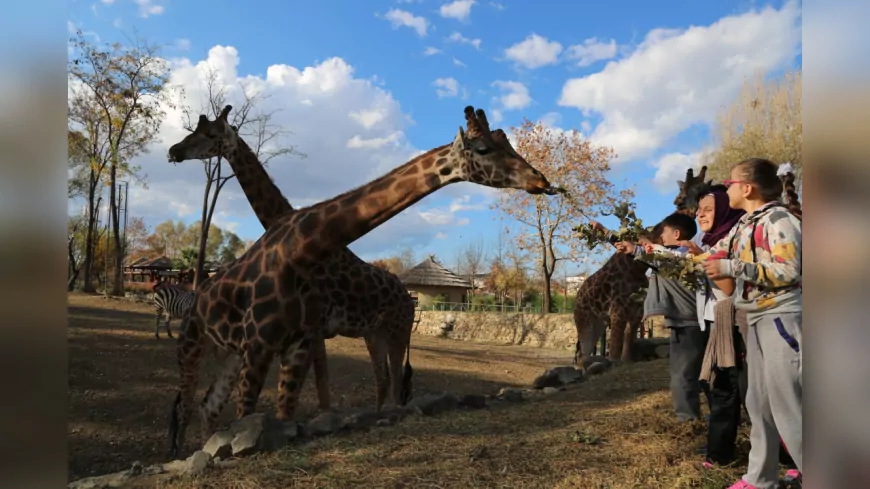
<point>630,227</point>
<point>685,271</point>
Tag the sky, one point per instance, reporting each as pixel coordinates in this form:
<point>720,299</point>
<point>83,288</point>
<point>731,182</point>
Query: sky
<point>363,86</point>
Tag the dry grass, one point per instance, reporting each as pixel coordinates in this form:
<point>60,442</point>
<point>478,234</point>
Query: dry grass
<point>613,431</point>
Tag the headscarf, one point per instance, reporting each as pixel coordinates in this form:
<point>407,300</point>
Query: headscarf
<point>724,218</point>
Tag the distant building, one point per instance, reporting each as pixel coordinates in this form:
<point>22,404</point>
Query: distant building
<point>574,282</point>
<point>429,280</point>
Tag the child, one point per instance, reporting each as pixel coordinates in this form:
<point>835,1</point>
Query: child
<point>678,305</point>
<point>763,254</point>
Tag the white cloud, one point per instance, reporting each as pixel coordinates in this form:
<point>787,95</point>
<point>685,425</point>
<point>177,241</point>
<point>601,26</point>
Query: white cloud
<point>672,167</point>
<point>369,118</point>
<point>183,44</point>
<point>591,51</point>
<point>108,2</point>
<point>351,129</point>
<point>358,142</point>
<point>457,37</point>
<point>440,235</point>
<point>431,51</point>
<point>459,63</point>
<point>147,8</point>
<point>678,78</point>
<point>534,51</point>
<point>399,18</point>
<point>514,95</point>
<point>458,9</point>
<point>496,5</point>
<point>446,87</point>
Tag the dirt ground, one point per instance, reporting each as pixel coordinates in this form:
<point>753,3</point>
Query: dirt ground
<point>122,380</point>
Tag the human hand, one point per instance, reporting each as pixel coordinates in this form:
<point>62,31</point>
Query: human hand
<point>626,247</point>
<point>693,249</point>
<point>596,225</point>
<point>648,248</point>
<point>713,269</point>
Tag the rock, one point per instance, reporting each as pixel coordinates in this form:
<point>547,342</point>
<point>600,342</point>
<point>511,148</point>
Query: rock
<point>117,479</point>
<point>550,390</point>
<point>219,444</point>
<point>597,368</point>
<point>175,467</point>
<point>384,422</point>
<point>558,377</point>
<point>644,349</point>
<point>472,401</point>
<point>362,420</point>
<point>510,394</point>
<point>663,351</point>
<point>432,404</point>
<point>588,361</point>
<point>136,468</point>
<point>324,424</point>
<point>197,462</point>
<point>246,434</point>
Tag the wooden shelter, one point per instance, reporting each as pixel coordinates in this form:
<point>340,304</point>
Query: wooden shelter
<point>430,280</point>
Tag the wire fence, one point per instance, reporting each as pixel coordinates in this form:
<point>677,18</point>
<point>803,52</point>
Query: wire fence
<point>502,308</point>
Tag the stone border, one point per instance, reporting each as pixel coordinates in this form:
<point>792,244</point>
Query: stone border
<point>260,432</point>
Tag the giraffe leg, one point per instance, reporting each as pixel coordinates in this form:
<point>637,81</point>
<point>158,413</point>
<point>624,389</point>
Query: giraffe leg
<point>213,403</point>
<point>255,367</point>
<point>378,355</point>
<point>321,372</point>
<point>396,352</point>
<point>589,329</point>
<point>295,361</point>
<point>190,350</point>
<point>635,323</point>
<point>617,334</point>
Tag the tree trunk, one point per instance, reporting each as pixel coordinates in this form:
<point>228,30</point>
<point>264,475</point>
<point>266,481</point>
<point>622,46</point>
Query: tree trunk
<point>547,299</point>
<point>73,269</point>
<point>93,208</point>
<point>118,285</point>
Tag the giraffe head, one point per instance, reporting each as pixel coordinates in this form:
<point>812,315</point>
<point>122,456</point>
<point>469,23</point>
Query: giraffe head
<point>208,140</point>
<point>687,199</point>
<point>486,157</point>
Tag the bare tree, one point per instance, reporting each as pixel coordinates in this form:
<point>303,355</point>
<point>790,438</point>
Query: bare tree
<point>472,259</point>
<point>265,138</point>
<point>116,97</point>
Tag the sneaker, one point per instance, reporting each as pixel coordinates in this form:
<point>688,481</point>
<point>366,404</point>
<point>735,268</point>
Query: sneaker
<point>742,484</point>
<point>793,479</point>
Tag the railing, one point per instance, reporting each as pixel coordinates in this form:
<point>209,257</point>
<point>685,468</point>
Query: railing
<point>501,308</point>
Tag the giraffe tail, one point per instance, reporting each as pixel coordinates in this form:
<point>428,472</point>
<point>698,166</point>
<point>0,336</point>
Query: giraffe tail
<point>407,373</point>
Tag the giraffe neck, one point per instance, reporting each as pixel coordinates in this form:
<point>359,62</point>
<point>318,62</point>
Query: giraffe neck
<point>265,197</point>
<point>312,232</point>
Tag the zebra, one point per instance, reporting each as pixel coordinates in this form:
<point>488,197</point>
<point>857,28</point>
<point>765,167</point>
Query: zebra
<point>171,302</point>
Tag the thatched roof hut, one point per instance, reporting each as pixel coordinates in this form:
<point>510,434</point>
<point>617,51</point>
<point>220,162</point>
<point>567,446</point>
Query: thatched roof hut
<point>429,279</point>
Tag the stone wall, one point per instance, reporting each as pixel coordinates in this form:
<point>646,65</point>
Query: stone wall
<point>549,331</point>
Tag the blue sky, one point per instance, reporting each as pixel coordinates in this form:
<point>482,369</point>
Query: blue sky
<point>643,77</point>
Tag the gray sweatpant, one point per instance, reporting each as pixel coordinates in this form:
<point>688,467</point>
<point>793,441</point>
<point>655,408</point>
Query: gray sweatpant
<point>774,395</point>
<point>687,345</point>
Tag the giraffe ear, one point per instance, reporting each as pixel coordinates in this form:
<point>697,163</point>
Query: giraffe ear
<point>680,183</point>
<point>459,142</point>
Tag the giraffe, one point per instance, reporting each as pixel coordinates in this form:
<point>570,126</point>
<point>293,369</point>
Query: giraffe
<point>604,299</point>
<point>364,301</point>
<point>268,301</point>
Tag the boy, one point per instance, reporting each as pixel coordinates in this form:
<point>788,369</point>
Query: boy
<point>669,298</point>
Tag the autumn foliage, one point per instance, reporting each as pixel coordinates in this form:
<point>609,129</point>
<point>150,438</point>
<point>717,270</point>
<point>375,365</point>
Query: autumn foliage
<point>580,168</point>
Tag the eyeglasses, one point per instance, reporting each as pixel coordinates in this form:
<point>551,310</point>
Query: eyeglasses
<point>729,183</point>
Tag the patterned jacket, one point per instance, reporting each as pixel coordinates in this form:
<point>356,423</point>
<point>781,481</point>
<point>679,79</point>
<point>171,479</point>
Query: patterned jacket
<point>763,254</point>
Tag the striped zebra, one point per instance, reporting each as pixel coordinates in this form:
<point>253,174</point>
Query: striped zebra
<point>171,302</point>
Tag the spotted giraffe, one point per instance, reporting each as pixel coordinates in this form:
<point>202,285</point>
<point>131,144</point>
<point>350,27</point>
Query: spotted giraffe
<point>270,300</point>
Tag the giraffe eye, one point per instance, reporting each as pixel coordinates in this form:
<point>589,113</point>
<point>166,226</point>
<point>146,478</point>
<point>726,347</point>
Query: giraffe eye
<point>481,148</point>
